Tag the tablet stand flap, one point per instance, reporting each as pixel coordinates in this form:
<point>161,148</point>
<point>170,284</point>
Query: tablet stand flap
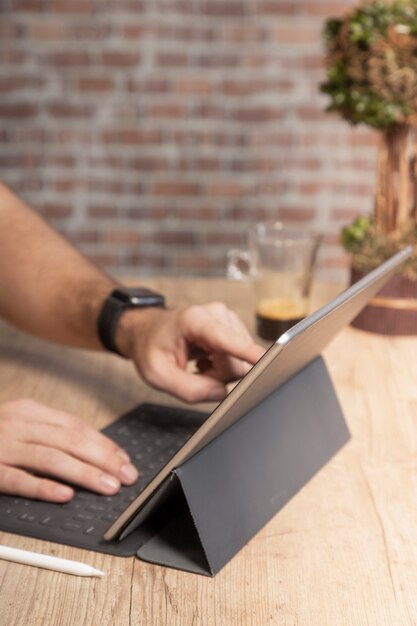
<point>236,483</point>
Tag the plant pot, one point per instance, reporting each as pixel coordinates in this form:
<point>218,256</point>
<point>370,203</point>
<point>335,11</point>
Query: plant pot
<point>393,311</point>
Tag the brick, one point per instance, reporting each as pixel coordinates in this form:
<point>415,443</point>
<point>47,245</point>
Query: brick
<point>295,214</point>
<point>198,213</point>
<point>115,187</point>
<point>209,110</point>
<point>69,185</point>
<point>257,114</point>
<point>83,7</point>
<point>322,9</point>
<point>344,215</point>
<point>228,188</point>
<point>189,86</point>
<point>46,30</point>
<point>16,83</point>
<point>295,33</point>
<point>130,6</point>
<point>121,237</point>
<point>175,188</point>
<point>205,164</point>
<point>131,137</point>
<point>218,60</point>
<point>102,211</point>
<point>225,8</point>
<point>171,237</point>
<point>154,212</point>
<point>332,239</point>
<point>56,210</point>
<point>10,30</point>
<point>148,85</point>
<point>180,33</point>
<point>20,160</point>
<point>88,31</point>
<point>18,110</point>
<point>168,109</point>
<point>84,236</point>
<point>307,62</point>
<point>223,238</point>
<point>361,137</point>
<point>29,183</point>
<point>27,5</point>
<point>69,110</point>
<point>10,56</point>
<point>69,58</point>
<point>258,214</point>
<point>242,33</point>
<point>273,138</point>
<point>138,31</point>
<point>147,163</point>
<point>245,87</point>
<point>107,161</point>
<point>310,113</point>
<point>120,59</point>
<point>68,135</point>
<point>59,160</point>
<point>169,59</point>
<point>95,84</point>
<point>276,7</point>
<point>22,135</point>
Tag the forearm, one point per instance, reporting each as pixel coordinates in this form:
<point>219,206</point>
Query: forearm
<point>47,287</point>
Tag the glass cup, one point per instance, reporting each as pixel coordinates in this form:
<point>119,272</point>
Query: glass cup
<point>280,262</point>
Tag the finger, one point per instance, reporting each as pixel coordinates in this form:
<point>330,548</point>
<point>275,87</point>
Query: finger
<point>217,337</point>
<point>73,442</point>
<point>17,482</point>
<point>52,462</point>
<point>29,410</point>
<point>187,386</point>
<point>226,369</point>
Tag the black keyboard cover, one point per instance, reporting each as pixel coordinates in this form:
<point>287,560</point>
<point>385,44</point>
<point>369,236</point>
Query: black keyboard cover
<point>151,434</point>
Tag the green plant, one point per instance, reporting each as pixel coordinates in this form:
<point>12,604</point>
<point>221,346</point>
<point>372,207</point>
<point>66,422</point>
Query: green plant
<point>372,63</point>
<point>372,79</point>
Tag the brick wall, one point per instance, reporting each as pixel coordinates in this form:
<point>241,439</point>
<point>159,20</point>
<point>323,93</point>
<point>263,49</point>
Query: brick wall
<point>151,132</point>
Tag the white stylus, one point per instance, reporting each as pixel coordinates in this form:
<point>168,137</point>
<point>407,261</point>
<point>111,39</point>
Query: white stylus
<point>48,562</point>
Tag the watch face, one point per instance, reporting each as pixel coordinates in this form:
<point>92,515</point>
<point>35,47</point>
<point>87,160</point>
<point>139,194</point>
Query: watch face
<point>138,296</point>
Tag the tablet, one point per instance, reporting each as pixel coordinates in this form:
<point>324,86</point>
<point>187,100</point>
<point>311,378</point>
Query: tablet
<point>288,355</point>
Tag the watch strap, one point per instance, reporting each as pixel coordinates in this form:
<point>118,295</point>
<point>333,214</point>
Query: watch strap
<point>117,302</point>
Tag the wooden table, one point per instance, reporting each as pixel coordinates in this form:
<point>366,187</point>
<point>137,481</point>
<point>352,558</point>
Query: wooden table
<point>342,552</point>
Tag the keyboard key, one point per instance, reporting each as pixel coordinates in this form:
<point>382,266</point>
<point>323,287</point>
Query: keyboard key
<point>73,526</point>
<point>83,517</point>
<point>8,511</point>
<point>96,506</point>
<point>27,517</point>
<point>109,517</point>
<point>94,531</point>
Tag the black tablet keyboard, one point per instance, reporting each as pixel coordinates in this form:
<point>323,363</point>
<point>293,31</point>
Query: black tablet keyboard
<point>151,434</point>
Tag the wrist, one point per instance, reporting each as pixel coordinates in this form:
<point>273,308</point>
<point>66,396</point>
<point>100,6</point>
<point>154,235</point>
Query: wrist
<point>133,328</point>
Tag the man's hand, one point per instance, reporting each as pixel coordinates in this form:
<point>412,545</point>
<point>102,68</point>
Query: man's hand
<point>38,444</point>
<point>161,343</point>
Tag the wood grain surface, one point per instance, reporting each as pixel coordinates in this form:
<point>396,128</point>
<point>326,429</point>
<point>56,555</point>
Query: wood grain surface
<point>342,552</point>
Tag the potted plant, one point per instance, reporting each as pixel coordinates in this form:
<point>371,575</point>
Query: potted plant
<point>372,79</point>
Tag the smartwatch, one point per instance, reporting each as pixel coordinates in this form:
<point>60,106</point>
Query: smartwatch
<point>120,300</point>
